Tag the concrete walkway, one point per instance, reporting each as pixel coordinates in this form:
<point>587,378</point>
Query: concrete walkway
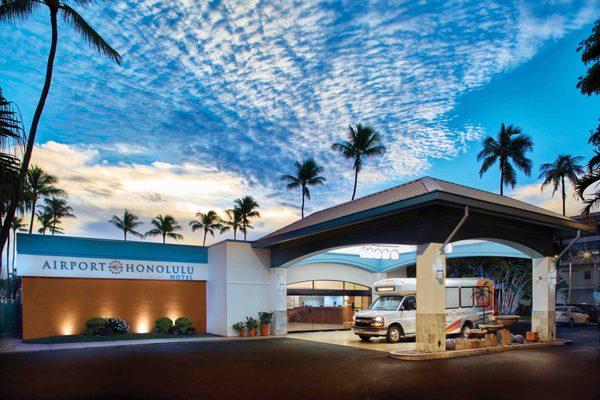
<point>15,345</point>
<point>347,338</point>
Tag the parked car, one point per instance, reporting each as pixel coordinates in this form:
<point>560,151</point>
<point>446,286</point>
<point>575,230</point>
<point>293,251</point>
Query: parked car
<point>590,309</point>
<point>571,315</point>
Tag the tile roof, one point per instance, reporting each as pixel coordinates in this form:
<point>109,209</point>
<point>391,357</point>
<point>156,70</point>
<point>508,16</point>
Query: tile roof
<point>406,191</point>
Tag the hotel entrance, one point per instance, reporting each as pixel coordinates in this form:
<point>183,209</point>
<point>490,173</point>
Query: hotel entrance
<point>324,304</point>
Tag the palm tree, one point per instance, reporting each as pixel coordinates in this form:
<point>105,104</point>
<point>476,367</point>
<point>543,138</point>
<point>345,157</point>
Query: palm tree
<point>361,142</point>
<point>45,220</point>
<point>307,174</point>
<point>165,227</point>
<point>127,224</point>
<point>18,10</point>
<point>233,222</point>
<point>511,145</point>
<point>208,223</point>
<point>57,209</point>
<point>12,139</point>
<point>39,184</point>
<point>247,209</point>
<point>589,180</point>
<point>565,166</point>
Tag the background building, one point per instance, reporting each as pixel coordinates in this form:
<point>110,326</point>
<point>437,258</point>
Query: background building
<point>584,259</point>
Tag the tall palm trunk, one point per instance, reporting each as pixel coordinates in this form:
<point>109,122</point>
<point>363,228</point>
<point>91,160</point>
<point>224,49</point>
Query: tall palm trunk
<point>164,238</point>
<point>32,215</point>
<point>501,177</point>
<point>355,182</point>
<point>14,249</point>
<point>303,188</point>
<point>125,234</point>
<point>234,233</point>
<point>33,130</point>
<point>564,195</point>
<point>204,240</point>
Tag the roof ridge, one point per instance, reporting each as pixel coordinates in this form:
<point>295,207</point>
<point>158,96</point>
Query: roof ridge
<point>502,196</point>
<point>369,195</point>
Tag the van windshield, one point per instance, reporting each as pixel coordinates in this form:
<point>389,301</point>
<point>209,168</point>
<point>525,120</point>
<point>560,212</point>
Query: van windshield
<point>386,303</point>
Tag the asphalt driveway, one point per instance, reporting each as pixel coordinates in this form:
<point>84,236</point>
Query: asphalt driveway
<point>300,369</point>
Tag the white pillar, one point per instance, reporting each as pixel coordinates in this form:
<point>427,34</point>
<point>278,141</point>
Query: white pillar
<point>543,315</point>
<point>431,298</point>
<point>279,279</point>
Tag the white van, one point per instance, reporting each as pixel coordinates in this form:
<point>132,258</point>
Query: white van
<point>393,313</point>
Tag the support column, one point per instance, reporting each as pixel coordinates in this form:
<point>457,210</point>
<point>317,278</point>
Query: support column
<point>431,298</point>
<point>279,323</point>
<point>543,315</point>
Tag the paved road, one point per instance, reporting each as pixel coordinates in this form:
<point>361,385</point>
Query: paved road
<point>297,369</point>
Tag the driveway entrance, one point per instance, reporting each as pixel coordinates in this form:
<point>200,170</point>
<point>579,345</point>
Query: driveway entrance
<point>347,338</point>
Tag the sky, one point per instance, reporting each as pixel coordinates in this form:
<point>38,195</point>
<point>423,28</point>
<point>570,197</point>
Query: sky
<point>216,100</point>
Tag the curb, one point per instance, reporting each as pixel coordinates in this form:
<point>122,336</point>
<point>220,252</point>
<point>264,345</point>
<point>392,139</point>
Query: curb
<point>415,356</point>
<point>20,347</point>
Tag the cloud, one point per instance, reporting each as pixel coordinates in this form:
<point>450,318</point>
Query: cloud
<point>97,190</point>
<point>223,95</point>
<point>533,194</point>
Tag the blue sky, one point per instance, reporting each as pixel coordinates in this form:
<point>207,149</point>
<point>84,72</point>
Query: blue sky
<point>217,100</point>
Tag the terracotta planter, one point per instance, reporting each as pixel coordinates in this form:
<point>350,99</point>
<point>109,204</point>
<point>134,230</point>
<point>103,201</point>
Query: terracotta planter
<point>242,333</point>
<point>264,329</point>
<point>251,331</point>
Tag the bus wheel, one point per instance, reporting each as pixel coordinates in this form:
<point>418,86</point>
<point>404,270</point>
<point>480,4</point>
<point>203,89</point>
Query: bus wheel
<point>364,338</point>
<point>394,334</point>
<point>465,328</point>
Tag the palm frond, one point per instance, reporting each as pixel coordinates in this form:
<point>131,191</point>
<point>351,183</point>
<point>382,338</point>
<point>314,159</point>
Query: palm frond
<point>17,10</point>
<point>92,37</point>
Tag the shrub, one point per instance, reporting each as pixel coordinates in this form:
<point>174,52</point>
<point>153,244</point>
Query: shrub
<point>251,323</point>
<point>163,324</point>
<point>190,330</point>
<point>116,326</point>
<point>239,326</point>
<point>265,317</point>
<point>183,323</point>
<point>94,326</point>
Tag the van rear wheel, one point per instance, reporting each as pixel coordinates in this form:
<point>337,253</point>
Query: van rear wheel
<point>364,338</point>
<point>394,334</point>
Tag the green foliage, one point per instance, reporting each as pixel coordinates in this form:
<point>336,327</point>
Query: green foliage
<point>362,141</point>
<point>508,148</point>
<point>307,174</point>
<point>116,326</point>
<point>162,325</point>
<point>165,226</point>
<point>183,323</point>
<point>246,207</point>
<point>251,323</point>
<point>94,326</point>
<point>239,326</point>
<point>590,55</point>
<point>127,223</point>
<point>265,317</point>
<point>208,223</point>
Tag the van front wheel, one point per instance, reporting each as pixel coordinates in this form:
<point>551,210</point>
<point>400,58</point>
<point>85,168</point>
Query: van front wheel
<point>394,334</point>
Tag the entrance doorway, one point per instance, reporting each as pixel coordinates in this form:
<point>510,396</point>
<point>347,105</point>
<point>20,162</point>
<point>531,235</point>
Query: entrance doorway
<point>318,305</point>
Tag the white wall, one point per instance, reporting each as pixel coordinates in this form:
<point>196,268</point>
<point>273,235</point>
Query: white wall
<point>241,283</point>
<point>332,271</point>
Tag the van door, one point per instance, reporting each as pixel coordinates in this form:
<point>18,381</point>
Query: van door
<point>408,310</point>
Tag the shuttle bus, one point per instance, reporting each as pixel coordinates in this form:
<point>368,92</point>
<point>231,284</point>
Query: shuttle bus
<point>469,301</point>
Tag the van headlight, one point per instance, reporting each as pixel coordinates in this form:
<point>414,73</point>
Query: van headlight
<point>378,319</point>
<point>377,322</point>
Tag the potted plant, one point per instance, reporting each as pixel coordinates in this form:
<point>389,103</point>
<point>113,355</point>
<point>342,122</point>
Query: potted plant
<point>251,324</point>
<point>265,322</point>
<point>240,328</point>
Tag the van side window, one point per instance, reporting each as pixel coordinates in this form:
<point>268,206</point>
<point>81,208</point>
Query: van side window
<point>409,304</point>
<point>452,297</point>
<point>466,297</point>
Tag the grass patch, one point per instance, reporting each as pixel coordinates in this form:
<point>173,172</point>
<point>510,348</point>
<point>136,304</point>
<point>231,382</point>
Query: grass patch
<point>112,338</point>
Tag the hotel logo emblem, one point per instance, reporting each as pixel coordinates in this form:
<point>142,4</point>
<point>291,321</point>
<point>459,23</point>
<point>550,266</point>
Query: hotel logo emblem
<point>115,267</point>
